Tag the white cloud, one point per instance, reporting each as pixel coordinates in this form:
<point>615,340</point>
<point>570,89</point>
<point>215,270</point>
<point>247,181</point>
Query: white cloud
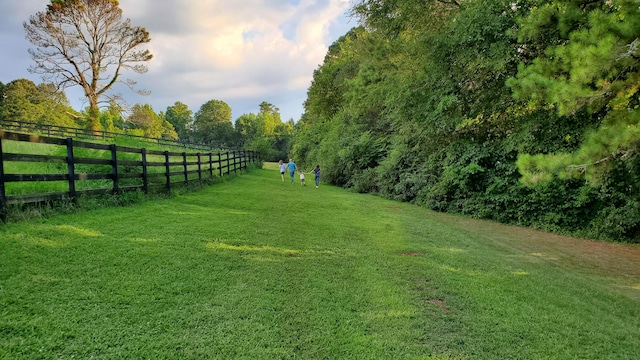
<point>240,52</point>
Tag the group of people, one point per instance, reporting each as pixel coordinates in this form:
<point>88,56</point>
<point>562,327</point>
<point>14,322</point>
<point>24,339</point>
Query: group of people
<point>292,167</point>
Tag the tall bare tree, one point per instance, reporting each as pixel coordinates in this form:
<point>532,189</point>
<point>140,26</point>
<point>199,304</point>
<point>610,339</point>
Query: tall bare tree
<point>87,43</point>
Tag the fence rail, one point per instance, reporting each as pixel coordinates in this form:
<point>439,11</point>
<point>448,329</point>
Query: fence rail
<point>75,168</point>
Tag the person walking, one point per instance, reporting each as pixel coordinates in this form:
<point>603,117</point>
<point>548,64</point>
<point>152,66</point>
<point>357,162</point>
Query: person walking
<point>292,169</point>
<point>303,182</point>
<point>282,169</point>
<point>316,174</point>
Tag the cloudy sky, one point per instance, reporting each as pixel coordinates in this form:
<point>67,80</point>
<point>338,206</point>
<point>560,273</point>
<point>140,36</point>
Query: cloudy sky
<point>242,52</point>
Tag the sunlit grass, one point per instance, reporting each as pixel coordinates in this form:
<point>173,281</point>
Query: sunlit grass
<point>259,269</point>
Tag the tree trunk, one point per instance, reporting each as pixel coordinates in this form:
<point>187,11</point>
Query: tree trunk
<point>94,118</point>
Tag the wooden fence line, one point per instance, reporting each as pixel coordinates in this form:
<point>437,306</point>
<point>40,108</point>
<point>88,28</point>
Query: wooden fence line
<point>128,168</point>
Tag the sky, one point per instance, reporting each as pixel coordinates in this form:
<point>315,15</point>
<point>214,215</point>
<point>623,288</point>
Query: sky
<point>242,52</point>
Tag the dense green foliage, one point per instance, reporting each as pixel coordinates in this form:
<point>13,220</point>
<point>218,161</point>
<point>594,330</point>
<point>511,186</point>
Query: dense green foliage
<point>23,100</point>
<point>150,124</point>
<point>523,112</point>
<point>265,132</point>
<point>180,116</point>
<point>233,271</point>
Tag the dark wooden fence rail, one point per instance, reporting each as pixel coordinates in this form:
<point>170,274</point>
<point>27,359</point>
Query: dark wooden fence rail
<point>76,133</point>
<point>114,168</point>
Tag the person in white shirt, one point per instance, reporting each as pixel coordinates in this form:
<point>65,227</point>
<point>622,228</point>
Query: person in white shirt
<point>302,181</point>
<point>282,169</point>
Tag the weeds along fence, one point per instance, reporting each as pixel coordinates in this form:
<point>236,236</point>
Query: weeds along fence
<point>36,169</point>
<point>79,133</point>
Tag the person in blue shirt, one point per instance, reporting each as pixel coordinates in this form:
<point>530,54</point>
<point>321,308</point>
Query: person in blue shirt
<point>292,169</point>
<point>316,173</point>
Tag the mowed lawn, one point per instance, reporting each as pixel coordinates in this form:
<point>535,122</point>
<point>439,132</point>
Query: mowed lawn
<point>254,268</point>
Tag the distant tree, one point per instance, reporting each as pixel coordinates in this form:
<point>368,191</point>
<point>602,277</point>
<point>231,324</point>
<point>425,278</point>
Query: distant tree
<point>212,124</point>
<point>271,117</point>
<point>23,100</point>
<point>249,126</point>
<point>181,117</point>
<point>265,132</point>
<point>111,118</point>
<point>86,43</point>
<point>146,122</point>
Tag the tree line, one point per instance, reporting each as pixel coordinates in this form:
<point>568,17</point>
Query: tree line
<point>263,132</point>
<point>521,111</point>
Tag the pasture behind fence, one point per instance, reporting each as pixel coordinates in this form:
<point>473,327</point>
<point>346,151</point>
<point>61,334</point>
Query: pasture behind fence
<point>80,133</point>
<point>71,168</point>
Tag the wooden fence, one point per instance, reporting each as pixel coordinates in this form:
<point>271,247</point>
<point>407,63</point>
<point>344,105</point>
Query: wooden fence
<point>75,168</point>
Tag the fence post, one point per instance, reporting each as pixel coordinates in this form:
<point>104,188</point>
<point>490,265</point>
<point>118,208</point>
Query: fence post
<point>167,171</point>
<point>145,175</point>
<point>235,168</point>
<point>210,165</point>
<point>3,195</point>
<point>199,169</point>
<point>220,164</point>
<point>114,167</point>
<point>244,159</point>
<point>184,165</point>
<point>71,168</point>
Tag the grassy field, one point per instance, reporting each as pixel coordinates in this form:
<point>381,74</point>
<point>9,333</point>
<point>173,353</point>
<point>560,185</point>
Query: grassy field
<point>254,268</point>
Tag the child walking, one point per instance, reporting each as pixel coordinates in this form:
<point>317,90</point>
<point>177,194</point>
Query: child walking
<point>302,181</point>
<point>282,169</point>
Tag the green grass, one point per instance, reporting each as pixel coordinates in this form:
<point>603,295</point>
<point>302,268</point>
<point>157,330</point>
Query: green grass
<point>255,268</point>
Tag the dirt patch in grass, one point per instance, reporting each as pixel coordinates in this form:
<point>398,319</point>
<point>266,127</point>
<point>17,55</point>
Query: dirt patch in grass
<point>409,253</point>
<point>440,303</point>
<point>618,261</point>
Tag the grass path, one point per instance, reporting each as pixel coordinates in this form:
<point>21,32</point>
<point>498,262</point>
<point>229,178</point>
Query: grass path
<point>255,268</point>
